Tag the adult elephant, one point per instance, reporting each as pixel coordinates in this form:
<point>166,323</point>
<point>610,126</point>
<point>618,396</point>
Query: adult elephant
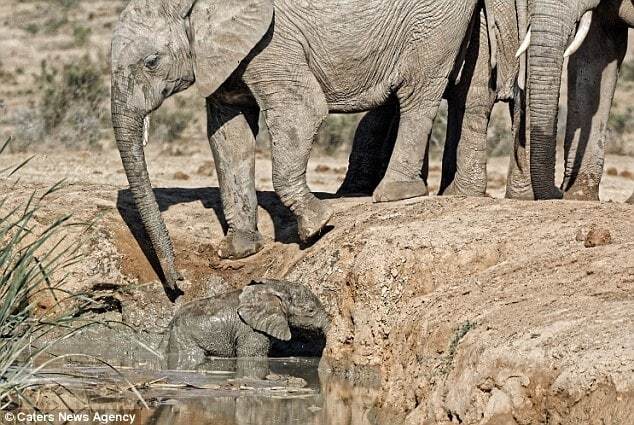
<point>295,61</point>
<point>487,73</point>
<point>598,30</point>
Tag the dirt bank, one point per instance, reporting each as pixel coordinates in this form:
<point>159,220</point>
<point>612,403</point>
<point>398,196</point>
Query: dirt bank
<point>473,310</point>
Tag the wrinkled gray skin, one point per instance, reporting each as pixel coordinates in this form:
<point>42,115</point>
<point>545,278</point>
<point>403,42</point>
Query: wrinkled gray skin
<point>592,78</point>
<point>296,61</point>
<point>473,89</point>
<point>241,323</point>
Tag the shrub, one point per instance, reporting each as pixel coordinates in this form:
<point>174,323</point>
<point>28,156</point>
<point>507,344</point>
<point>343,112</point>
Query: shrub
<point>72,107</point>
<point>32,28</point>
<point>81,35</point>
<point>33,262</point>
<point>27,266</point>
<point>168,125</point>
<point>627,72</point>
<point>337,132</point>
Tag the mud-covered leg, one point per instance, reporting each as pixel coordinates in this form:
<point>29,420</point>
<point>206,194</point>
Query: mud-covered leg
<point>403,179</point>
<point>370,151</point>
<point>470,103</point>
<point>231,136</point>
<point>252,351</point>
<point>592,78</point>
<point>293,117</point>
<point>183,354</point>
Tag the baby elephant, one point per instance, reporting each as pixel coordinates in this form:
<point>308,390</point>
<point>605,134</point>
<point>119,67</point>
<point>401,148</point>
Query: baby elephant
<point>240,323</point>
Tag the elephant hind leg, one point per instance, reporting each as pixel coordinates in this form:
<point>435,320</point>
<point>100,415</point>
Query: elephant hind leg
<point>470,104</point>
<point>403,178</point>
<point>231,131</point>
<point>294,116</point>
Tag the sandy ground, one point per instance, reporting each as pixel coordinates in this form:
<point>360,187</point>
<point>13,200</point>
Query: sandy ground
<point>473,310</point>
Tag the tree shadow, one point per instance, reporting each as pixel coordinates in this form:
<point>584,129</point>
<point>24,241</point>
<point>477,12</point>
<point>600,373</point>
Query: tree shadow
<point>284,222</point>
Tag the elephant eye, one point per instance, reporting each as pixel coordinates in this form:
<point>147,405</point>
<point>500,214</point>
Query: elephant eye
<point>151,61</point>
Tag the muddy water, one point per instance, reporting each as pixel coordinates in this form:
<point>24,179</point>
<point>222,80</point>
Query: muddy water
<point>222,392</point>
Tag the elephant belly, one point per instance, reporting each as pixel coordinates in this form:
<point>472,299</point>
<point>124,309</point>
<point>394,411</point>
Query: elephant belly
<point>361,51</point>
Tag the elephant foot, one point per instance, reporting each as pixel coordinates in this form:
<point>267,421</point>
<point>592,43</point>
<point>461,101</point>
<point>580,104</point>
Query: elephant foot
<point>583,189</point>
<point>312,217</point>
<point>581,195</point>
<point>523,194</point>
<point>240,244</point>
<point>397,191</point>
<point>453,190</point>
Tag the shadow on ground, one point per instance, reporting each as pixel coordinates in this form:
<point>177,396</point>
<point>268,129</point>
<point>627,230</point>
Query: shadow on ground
<point>284,222</point>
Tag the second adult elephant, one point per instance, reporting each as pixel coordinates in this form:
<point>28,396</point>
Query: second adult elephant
<point>295,61</point>
<point>487,74</point>
<point>596,53</point>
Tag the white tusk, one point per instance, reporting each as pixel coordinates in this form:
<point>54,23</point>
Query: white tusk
<point>582,33</point>
<point>525,44</point>
<point>146,129</point>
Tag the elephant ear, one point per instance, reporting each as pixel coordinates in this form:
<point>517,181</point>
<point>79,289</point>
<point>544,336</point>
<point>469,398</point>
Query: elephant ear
<point>263,308</point>
<point>223,33</point>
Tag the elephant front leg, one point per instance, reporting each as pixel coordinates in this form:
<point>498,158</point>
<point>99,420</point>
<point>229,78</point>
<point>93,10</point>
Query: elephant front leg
<point>232,140</point>
<point>592,78</point>
<point>252,350</point>
<point>403,178</point>
<point>293,118</point>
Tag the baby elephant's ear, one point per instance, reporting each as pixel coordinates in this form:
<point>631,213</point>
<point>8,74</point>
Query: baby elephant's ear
<point>224,33</point>
<point>263,309</point>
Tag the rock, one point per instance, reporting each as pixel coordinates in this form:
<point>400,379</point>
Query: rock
<point>597,237</point>
<point>207,169</point>
<point>612,171</point>
<point>582,234</point>
<point>179,175</point>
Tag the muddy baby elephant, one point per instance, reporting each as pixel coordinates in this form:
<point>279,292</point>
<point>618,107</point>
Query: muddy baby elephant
<point>241,323</point>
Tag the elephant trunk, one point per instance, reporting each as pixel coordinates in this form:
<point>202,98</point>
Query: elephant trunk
<point>551,26</point>
<point>129,134</point>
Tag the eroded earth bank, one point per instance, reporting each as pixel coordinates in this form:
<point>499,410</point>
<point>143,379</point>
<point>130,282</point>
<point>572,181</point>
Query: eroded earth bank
<point>472,311</point>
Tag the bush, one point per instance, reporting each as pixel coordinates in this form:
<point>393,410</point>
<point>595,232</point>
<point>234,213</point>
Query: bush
<point>337,133</point>
<point>72,107</point>
<point>27,266</point>
<point>627,72</point>
<point>169,124</point>
<point>34,259</point>
<point>81,35</point>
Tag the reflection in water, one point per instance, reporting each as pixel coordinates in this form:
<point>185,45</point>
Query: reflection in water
<point>332,401</point>
<point>337,403</point>
<point>227,393</point>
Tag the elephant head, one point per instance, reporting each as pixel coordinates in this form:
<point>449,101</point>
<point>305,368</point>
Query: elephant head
<point>161,47</point>
<point>552,24</point>
<point>272,307</point>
